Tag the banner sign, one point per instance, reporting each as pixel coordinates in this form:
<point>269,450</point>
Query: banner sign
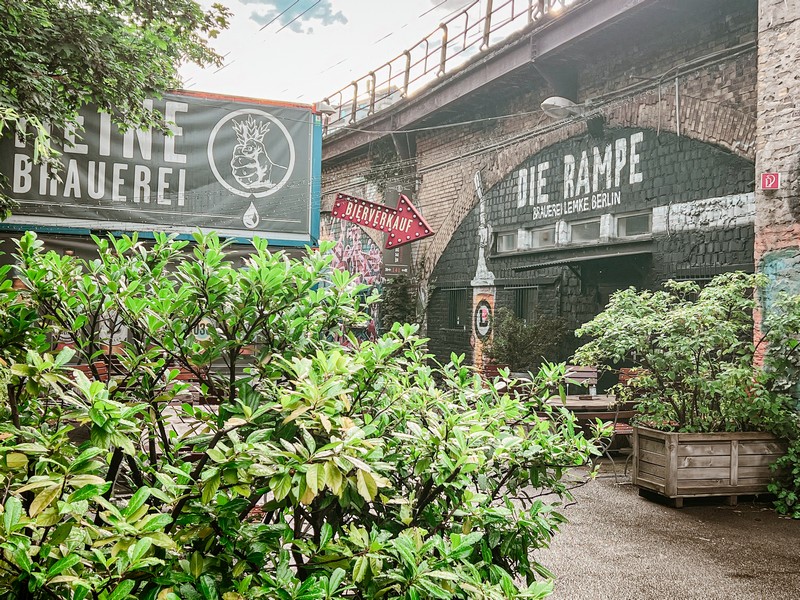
<point>239,167</point>
<point>403,224</point>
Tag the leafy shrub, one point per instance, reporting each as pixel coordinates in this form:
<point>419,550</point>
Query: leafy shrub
<point>694,353</point>
<point>780,379</point>
<point>399,302</point>
<point>296,467</point>
<point>692,348</point>
<point>524,345</point>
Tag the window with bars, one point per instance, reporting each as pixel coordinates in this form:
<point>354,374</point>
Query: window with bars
<point>457,309</point>
<point>525,301</point>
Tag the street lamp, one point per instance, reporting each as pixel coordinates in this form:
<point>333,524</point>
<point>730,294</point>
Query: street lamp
<point>558,107</point>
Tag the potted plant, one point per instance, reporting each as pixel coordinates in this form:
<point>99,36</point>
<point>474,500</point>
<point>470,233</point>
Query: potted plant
<point>704,427</point>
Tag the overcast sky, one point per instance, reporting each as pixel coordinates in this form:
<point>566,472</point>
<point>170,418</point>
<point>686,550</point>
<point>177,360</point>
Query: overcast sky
<point>304,50</point>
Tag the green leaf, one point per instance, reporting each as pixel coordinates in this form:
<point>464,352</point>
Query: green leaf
<point>360,566</point>
<point>162,540</point>
<point>78,481</point>
<point>22,370</point>
<point>80,593</point>
<point>156,523</point>
<point>36,482</point>
<point>333,478</point>
<point>61,533</point>
<point>89,491</point>
<point>435,590</point>
<point>16,460</point>
<point>210,488</point>
<point>325,535</point>
<point>280,485</point>
<point>43,499</point>
<point>137,501</point>
<point>140,549</point>
<point>216,455</point>
<point>208,587</point>
<point>197,564</point>
<point>21,559</point>
<point>315,477</point>
<point>13,511</point>
<point>365,483</point>
<point>69,561</point>
<point>122,590</point>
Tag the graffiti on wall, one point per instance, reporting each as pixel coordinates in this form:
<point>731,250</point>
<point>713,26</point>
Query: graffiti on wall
<point>356,253</point>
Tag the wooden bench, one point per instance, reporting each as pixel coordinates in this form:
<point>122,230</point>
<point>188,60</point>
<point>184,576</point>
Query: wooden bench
<point>581,376</point>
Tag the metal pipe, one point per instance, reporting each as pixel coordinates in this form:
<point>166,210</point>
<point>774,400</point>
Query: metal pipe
<point>354,105</point>
<point>408,72</point>
<point>677,108</point>
<point>487,25</point>
<point>371,91</point>
<point>443,55</point>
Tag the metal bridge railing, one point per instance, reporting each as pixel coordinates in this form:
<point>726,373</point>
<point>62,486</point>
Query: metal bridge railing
<point>478,26</point>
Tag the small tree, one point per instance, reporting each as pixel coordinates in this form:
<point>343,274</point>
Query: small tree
<point>296,467</point>
<point>524,345</point>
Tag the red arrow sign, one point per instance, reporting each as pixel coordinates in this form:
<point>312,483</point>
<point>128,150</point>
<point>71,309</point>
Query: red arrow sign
<point>403,224</point>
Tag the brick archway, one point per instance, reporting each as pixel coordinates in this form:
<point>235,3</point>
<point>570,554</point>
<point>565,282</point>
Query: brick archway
<point>706,121</point>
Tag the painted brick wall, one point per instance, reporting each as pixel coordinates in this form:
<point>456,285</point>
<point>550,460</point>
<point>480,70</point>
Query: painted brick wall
<point>703,208</point>
<point>777,243</point>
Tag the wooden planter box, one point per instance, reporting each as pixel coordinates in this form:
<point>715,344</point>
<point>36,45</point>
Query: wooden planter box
<point>689,465</point>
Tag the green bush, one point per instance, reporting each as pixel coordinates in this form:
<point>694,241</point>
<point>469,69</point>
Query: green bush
<point>525,345</point>
<point>692,349</point>
<point>694,353</point>
<point>297,467</point>
<point>399,302</point>
<point>780,380</point>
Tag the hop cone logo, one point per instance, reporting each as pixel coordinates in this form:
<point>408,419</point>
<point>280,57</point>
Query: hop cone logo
<point>251,166</point>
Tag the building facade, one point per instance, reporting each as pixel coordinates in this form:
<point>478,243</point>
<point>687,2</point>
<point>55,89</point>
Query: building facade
<point>650,178</point>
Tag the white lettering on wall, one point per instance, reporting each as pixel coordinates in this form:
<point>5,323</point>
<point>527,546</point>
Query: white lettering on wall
<point>72,180</point>
<point>635,177</point>
<point>522,188</point>
<point>601,167</point>
<point>143,136</point>
<point>541,182</point>
<point>171,109</point>
<point>163,185</point>
<point>141,184</point>
<point>117,182</point>
<point>96,184</point>
<point>181,187</point>
<point>45,178</point>
<point>21,181</point>
<point>583,186</point>
<point>620,158</point>
<point>591,179</point>
<point>569,176</point>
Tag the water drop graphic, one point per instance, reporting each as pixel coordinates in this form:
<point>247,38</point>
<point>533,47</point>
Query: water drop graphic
<point>251,218</point>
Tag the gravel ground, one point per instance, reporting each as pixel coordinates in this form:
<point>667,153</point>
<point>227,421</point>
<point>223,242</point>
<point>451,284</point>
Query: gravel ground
<point>622,546</point>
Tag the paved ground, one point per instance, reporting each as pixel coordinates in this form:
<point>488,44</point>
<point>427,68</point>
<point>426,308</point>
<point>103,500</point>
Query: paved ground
<point>621,546</point>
